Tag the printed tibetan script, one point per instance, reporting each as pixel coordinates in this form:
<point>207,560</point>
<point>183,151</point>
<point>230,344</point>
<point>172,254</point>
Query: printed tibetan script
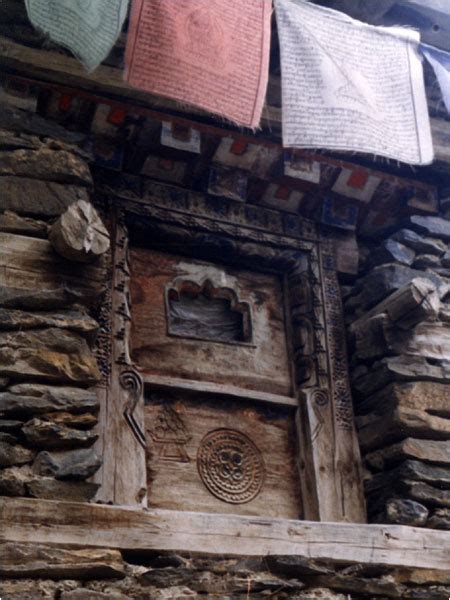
<point>88,28</point>
<point>213,54</point>
<point>351,86</point>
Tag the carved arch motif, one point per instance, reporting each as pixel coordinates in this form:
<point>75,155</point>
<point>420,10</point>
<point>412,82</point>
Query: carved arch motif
<point>205,311</point>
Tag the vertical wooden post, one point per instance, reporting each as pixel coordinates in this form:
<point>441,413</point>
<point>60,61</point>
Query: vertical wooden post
<point>329,456</point>
<point>123,476</point>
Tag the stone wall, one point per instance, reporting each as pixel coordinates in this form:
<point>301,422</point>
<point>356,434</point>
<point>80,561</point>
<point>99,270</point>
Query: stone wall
<point>41,572</point>
<point>399,323</point>
<point>48,407</point>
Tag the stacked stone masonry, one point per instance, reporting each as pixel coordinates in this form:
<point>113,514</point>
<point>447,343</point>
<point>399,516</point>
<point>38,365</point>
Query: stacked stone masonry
<point>40,572</point>
<point>398,313</point>
<point>48,407</point>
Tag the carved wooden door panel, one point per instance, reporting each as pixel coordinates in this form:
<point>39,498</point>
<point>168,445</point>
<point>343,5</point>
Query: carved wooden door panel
<point>210,342</point>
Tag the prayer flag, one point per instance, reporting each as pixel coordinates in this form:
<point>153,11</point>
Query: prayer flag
<point>213,54</point>
<point>440,61</point>
<point>88,28</point>
<point>351,86</point>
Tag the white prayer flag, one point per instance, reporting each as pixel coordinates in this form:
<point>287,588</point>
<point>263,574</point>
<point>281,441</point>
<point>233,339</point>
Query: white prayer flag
<point>351,86</point>
<point>88,28</point>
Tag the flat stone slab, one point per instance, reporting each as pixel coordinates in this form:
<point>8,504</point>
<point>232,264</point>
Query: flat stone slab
<point>53,354</point>
<point>35,398</point>
<point>48,562</point>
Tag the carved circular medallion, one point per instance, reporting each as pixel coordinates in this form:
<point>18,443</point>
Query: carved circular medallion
<point>230,466</point>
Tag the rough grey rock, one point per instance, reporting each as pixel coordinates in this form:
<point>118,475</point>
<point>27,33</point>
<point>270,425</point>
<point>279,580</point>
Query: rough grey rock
<point>76,421</point>
<point>38,560</point>
<point>54,297</point>
<point>417,242</point>
<point>44,433</point>
<point>432,226</point>
<point>446,259</point>
<point>36,398</point>
<point>422,492</point>
<point>10,140</point>
<point>392,251</point>
<point>65,319</point>
<point>79,233</point>
<point>73,464</point>
<point>442,272</point>
<point>383,281</point>
<point>50,354</point>
<point>398,368</point>
<point>427,261</point>
<point>440,519</point>
<point>206,582</point>
<point>38,198</point>
<point>385,586</point>
<point>295,566</point>
<point>70,491</point>
<point>320,594</point>
<point>28,589</point>
<point>21,121</point>
<point>46,164</point>
<point>8,438</point>
<point>85,594</point>
<point>10,222</point>
<point>12,455</point>
<point>406,512</point>
<point>428,593</point>
<point>13,480</point>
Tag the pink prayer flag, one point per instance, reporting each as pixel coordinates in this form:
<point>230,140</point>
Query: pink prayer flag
<point>213,54</point>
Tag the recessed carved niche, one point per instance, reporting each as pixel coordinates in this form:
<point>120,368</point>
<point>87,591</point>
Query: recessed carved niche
<point>202,321</point>
<point>206,312</point>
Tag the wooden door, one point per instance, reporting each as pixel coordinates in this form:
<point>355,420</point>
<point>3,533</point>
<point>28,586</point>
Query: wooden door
<point>211,344</point>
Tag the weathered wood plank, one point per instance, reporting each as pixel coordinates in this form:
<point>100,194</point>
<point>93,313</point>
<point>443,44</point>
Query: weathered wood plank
<point>44,521</point>
<point>181,468</point>
<point>219,389</point>
<point>123,477</point>
<point>37,256</point>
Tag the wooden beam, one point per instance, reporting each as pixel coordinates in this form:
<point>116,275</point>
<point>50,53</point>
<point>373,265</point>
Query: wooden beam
<point>51,522</point>
<point>219,389</point>
<point>66,71</point>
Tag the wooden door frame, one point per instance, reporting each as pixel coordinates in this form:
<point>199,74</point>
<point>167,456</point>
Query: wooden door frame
<point>328,460</point>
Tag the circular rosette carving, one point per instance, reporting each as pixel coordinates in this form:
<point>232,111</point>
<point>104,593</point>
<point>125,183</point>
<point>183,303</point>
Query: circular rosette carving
<point>230,466</point>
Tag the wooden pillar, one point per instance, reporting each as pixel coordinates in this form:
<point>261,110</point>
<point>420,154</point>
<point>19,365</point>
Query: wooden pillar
<point>329,457</point>
<point>123,476</point>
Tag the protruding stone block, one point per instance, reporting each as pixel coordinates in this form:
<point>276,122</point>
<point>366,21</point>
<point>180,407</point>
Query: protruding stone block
<point>79,234</point>
<point>73,464</point>
<point>11,455</point>
<point>45,433</point>
<point>406,512</point>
